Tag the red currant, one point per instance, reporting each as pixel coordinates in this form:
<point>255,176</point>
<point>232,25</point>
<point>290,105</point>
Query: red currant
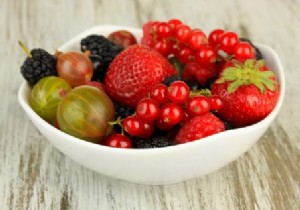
<point>182,33</point>
<point>186,76</point>
<point>118,141</point>
<point>174,49</point>
<point>191,68</point>
<point>160,93</point>
<point>173,23</point>
<point>215,36</point>
<point>186,117</point>
<point>204,74</point>
<point>198,105</point>
<point>206,56</point>
<point>185,55</point>
<point>179,92</point>
<point>161,125</point>
<point>155,27</point>
<point>132,125</point>
<point>244,51</point>
<point>215,102</point>
<point>147,109</point>
<point>228,42</point>
<point>197,39</point>
<point>171,114</point>
<point>148,129</point>
<point>163,47</point>
<point>135,126</point>
<point>163,30</point>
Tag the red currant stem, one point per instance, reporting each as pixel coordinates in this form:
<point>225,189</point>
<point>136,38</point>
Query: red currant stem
<point>204,92</point>
<point>118,122</point>
<point>25,49</point>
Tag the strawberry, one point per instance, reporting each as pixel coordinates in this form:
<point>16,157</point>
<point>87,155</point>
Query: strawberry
<point>199,127</point>
<point>134,72</point>
<point>249,92</point>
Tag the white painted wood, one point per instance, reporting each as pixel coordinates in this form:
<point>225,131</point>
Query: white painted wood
<point>34,175</point>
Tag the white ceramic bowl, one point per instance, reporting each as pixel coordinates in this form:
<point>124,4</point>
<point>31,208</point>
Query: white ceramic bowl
<point>163,165</point>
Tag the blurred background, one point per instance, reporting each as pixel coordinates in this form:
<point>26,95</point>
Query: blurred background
<point>34,175</point>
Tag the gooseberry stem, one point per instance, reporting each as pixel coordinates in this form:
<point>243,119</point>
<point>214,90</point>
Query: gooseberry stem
<point>25,49</point>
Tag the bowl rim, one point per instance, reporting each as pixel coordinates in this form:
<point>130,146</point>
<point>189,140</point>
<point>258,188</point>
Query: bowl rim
<point>23,91</point>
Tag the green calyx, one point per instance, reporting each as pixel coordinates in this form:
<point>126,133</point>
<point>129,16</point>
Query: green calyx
<point>203,92</point>
<point>247,74</point>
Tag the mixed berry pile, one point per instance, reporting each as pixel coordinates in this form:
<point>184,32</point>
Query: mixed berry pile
<point>178,85</point>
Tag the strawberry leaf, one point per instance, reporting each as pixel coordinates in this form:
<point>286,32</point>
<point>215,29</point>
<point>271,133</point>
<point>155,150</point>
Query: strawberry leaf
<point>248,73</point>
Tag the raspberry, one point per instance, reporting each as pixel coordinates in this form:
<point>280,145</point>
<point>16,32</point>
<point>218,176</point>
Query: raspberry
<point>199,127</point>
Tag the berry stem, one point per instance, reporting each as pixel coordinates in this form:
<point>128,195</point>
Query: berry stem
<point>118,122</point>
<point>25,49</point>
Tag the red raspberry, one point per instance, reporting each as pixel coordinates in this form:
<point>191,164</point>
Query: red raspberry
<point>199,127</point>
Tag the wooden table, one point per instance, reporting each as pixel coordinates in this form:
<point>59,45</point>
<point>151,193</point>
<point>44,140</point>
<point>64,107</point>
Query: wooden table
<point>34,175</point>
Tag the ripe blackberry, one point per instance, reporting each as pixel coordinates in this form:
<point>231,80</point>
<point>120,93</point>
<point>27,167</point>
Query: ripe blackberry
<point>258,53</point>
<point>122,111</point>
<point>38,65</point>
<point>227,125</point>
<point>102,47</point>
<point>99,70</point>
<point>152,142</point>
<point>193,85</point>
<point>169,80</point>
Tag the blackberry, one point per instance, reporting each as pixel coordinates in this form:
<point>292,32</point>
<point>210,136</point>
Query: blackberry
<point>152,142</point>
<point>38,65</point>
<point>258,53</point>
<point>226,124</point>
<point>102,47</point>
<point>193,85</point>
<point>169,80</point>
<point>99,71</point>
<point>122,111</point>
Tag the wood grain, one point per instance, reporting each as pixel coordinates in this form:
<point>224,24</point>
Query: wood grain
<point>34,175</point>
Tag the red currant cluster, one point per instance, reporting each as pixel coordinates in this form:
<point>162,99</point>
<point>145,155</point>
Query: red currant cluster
<point>165,108</point>
<point>194,48</point>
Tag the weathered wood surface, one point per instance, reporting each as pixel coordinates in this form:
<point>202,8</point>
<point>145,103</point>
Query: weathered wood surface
<point>34,175</point>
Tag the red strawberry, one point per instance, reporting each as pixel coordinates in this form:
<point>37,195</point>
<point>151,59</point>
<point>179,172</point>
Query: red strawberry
<point>134,72</point>
<point>199,127</point>
<point>249,92</point>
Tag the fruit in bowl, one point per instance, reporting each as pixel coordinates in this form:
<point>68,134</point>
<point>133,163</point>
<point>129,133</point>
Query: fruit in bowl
<point>176,112</point>
<point>85,112</point>
<point>46,96</point>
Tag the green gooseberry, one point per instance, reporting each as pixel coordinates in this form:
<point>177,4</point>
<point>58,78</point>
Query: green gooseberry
<point>85,113</point>
<point>46,95</point>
